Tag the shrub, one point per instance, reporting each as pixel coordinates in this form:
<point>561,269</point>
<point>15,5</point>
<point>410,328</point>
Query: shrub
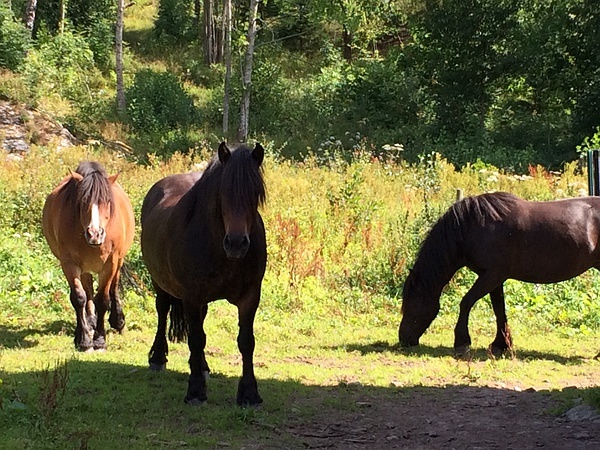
<point>157,102</point>
<point>14,39</point>
<point>63,65</point>
<point>174,19</point>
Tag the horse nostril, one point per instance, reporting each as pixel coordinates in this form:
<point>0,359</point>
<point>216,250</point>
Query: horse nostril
<point>236,245</point>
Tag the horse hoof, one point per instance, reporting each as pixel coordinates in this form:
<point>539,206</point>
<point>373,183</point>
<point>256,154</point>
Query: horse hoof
<point>496,352</point>
<point>194,401</point>
<point>462,352</point>
<point>252,401</point>
<point>157,367</point>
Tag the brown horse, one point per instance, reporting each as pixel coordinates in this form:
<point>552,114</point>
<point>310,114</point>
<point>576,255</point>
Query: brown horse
<point>202,240</point>
<point>498,236</point>
<point>89,225</point>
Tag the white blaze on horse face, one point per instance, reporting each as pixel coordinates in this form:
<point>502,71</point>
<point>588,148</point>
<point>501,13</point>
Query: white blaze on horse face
<point>95,217</point>
<point>95,233</point>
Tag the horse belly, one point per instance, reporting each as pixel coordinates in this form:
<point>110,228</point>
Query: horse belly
<point>551,266</point>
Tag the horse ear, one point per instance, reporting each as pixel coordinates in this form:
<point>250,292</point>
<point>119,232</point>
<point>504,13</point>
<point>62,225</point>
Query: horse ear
<point>258,153</point>
<point>113,178</point>
<point>76,176</point>
<point>224,153</point>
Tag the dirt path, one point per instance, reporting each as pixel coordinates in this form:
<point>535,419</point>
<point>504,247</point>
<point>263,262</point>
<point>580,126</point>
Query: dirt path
<point>456,417</point>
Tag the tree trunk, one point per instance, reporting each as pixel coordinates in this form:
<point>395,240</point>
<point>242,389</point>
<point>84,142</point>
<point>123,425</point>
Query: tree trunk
<point>347,51</point>
<point>197,20</point>
<point>247,71</point>
<point>227,57</point>
<point>29,18</point>
<point>119,57</point>
<point>63,9</point>
<point>209,33</point>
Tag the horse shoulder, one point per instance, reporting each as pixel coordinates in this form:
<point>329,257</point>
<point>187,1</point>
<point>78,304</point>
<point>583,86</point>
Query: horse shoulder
<point>53,217</point>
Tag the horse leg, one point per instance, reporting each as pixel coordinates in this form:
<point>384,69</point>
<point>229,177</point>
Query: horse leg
<point>102,301</point>
<point>483,285</point>
<point>117,317</point>
<point>503,339</point>
<point>247,388</point>
<point>195,315</point>
<point>84,330</point>
<point>88,286</point>
<point>157,358</point>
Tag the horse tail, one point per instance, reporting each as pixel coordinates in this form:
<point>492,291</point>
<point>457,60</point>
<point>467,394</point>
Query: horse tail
<point>178,329</point>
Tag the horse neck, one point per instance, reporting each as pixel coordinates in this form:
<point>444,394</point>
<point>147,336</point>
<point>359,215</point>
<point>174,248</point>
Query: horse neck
<point>439,259</point>
<point>201,204</point>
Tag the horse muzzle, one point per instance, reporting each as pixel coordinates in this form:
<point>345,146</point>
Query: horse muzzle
<point>407,336</point>
<point>236,245</point>
<point>95,237</point>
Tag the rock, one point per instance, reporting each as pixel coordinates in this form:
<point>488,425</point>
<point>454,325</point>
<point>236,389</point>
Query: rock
<point>20,127</point>
<point>582,412</point>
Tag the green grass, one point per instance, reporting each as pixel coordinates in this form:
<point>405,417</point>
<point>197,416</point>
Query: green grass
<point>55,397</point>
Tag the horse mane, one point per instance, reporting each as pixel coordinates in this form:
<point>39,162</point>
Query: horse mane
<point>440,252</point>
<point>240,180</point>
<point>93,188</point>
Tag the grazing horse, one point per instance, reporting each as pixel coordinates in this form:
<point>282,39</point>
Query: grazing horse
<point>498,236</point>
<point>202,240</point>
<point>89,225</point>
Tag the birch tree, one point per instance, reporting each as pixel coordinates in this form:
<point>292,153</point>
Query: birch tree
<point>227,56</point>
<point>29,18</point>
<point>247,71</point>
<point>119,57</point>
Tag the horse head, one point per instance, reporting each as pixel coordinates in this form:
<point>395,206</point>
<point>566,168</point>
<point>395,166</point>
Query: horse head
<point>419,308</point>
<point>95,204</point>
<point>242,191</point>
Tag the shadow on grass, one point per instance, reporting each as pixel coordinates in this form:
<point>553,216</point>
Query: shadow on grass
<point>17,336</point>
<point>91,404</point>
<point>475,353</point>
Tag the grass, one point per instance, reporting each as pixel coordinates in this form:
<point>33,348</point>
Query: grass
<point>55,397</point>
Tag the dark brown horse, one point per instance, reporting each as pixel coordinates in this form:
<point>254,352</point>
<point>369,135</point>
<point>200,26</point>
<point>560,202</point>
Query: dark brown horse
<point>498,236</point>
<point>202,240</point>
<point>89,225</point>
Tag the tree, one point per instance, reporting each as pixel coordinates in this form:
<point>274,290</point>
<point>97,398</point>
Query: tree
<point>227,57</point>
<point>29,19</point>
<point>119,57</point>
<point>247,71</point>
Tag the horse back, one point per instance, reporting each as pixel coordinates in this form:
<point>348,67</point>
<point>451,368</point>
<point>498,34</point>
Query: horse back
<point>538,241</point>
<point>165,194</point>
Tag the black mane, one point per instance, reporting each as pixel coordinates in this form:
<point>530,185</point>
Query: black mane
<point>240,180</point>
<point>440,250</point>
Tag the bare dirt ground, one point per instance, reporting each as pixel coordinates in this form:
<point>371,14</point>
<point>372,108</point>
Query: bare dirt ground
<point>455,417</point>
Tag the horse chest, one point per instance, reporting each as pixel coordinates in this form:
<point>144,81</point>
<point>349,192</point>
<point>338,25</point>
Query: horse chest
<point>216,281</point>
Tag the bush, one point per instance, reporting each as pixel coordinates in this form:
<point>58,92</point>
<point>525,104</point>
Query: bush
<point>93,19</point>
<point>62,65</point>
<point>157,102</point>
<point>14,39</point>
<point>174,19</point>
